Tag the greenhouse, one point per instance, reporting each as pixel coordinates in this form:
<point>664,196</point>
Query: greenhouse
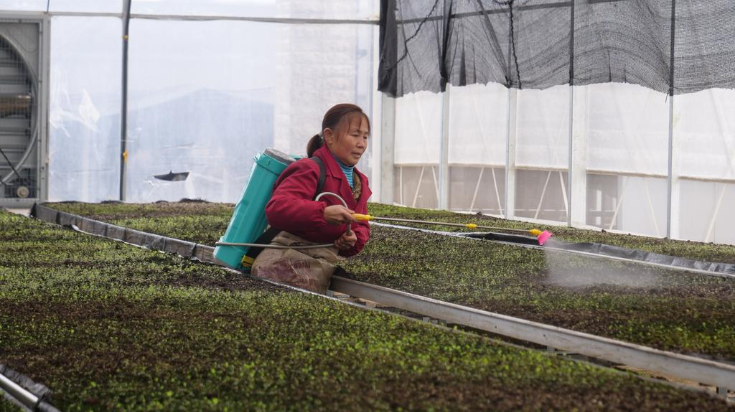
<point>525,207</point>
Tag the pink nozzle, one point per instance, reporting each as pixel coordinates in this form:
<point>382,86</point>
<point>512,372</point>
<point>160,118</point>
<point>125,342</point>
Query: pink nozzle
<point>543,237</point>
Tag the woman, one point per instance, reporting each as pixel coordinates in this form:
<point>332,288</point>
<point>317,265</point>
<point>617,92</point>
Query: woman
<point>302,221</point>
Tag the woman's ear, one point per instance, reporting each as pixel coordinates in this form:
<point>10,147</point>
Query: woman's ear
<point>329,136</point>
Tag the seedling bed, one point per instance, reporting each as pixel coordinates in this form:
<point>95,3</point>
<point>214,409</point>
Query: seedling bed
<point>110,326</point>
<point>707,252</point>
<point>669,310</point>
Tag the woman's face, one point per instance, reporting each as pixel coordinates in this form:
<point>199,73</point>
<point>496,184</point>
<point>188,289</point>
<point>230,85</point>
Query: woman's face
<point>349,144</point>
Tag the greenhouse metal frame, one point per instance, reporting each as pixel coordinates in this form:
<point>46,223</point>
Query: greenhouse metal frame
<point>539,155</point>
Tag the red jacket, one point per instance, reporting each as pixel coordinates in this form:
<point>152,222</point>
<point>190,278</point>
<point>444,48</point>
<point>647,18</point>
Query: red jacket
<point>292,209</point>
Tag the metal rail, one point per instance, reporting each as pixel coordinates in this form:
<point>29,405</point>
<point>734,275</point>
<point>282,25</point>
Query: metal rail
<point>371,21</point>
<point>672,364</point>
<point>23,397</point>
<point>18,393</point>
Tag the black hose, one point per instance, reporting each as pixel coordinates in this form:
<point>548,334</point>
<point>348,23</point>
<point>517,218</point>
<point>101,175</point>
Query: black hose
<point>11,166</point>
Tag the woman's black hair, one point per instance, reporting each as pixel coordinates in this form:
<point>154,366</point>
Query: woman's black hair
<point>332,120</point>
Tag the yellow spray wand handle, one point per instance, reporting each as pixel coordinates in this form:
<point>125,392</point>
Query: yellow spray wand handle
<point>365,218</point>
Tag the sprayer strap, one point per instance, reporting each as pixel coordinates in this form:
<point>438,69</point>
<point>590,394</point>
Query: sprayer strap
<point>322,176</point>
<point>264,239</point>
<point>267,237</point>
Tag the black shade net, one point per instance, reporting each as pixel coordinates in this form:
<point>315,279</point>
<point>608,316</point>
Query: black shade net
<point>536,44</point>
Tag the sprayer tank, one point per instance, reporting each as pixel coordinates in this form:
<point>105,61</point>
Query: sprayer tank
<point>248,219</point>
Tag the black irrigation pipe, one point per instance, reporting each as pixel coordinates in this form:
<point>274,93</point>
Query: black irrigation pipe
<point>718,374</point>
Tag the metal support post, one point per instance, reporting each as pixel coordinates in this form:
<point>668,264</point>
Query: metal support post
<point>672,200</point>
<point>386,154</point>
<point>444,152</point>
<point>124,111</point>
<point>510,155</point>
<point>577,190</point>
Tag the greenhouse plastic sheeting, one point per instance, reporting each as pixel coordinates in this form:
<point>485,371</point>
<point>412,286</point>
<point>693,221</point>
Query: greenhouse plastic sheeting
<point>24,5</point>
<point>478,125</point>
<point>536,44</point>
<point>705,132</point>
<point>418,129</point>
<point>542,128</point>
<point>209,112</point>
<point>323,9</point>
<point>627,128</point>
<point>204,98</point>
<point>88,6</point>
<point>84,109</point>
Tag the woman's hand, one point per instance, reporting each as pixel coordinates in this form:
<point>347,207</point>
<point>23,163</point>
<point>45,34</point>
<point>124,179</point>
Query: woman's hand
<point>346,241</point>
<point>338,214</point>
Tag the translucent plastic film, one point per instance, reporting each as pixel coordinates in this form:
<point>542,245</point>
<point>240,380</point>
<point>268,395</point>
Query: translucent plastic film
<point>418,128</point>
<point>205,97</point>
<point>84,109</point>
<point>705,212</point>
<point>417,148</point>
<point>543,128</point>
<point>478,120</point>
<point>87,6</point>
<point>704,129</point>
<point>626,128</point>
<point>325,9</point>
<point>23,5</point>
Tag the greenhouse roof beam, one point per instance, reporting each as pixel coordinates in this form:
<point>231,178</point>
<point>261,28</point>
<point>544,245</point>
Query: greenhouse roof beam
<point>284,20</point>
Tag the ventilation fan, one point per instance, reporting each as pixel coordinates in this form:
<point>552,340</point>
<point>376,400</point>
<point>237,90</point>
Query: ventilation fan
<point>18,132</point>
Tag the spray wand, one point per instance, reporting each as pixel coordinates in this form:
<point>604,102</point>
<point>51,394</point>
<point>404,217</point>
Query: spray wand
<point>542,237</point>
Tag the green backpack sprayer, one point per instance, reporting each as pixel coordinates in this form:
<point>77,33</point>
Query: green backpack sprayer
<point>245,237</point>
<point>248,219</point>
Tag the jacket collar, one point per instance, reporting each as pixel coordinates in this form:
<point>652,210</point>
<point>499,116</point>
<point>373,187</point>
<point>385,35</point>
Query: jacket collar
<point>333,169</point>
<point>330,162</point>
